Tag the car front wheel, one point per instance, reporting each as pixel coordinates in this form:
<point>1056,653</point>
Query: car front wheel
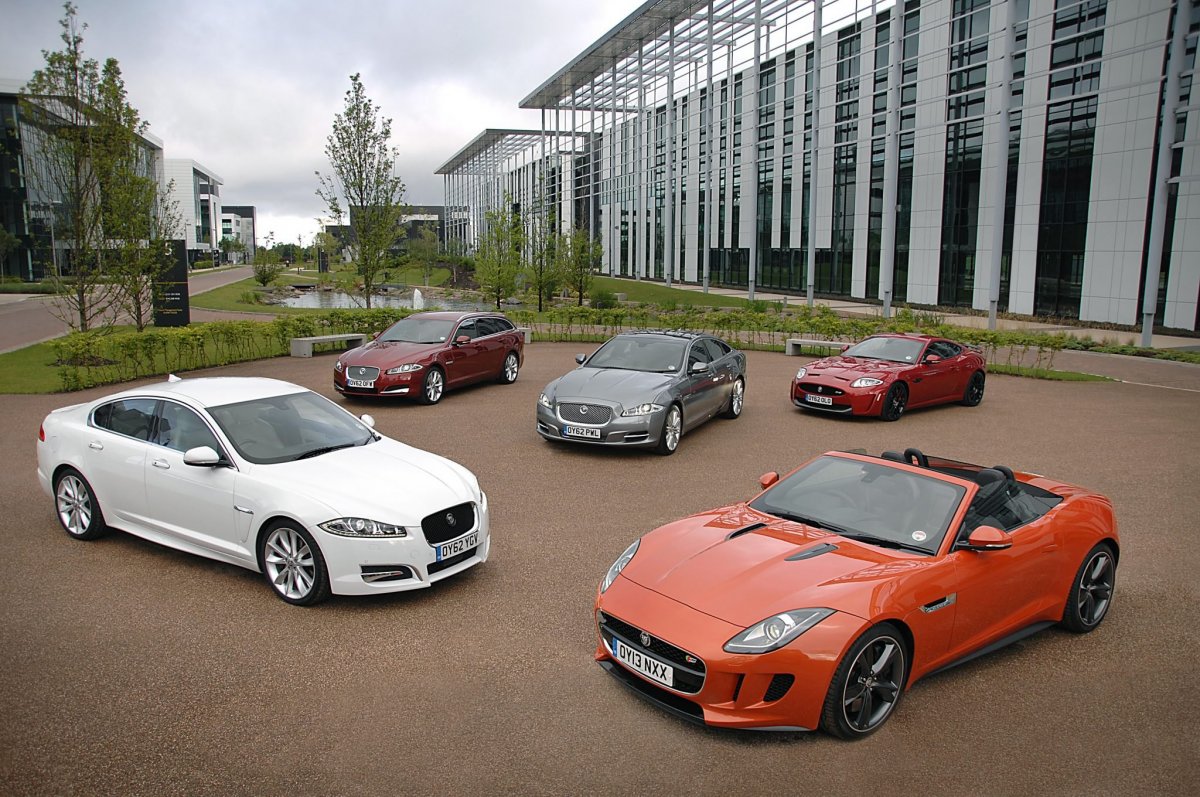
<point>974,392</point>
<point>508,372</point>
<point>433,387</point>
<point>77,508</point>
<point>672,430</point>
<point>867,685</point>
<point>894,402</point>
<point>1092,590</point>
<point>293,564</point>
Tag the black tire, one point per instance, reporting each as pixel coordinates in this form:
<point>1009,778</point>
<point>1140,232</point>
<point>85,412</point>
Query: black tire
<point>737,398</point>
<point>292,563</point>
<point>509,369</point>
<point>974,392</point>
<point>76,506</point>
<point>1092,590</point>
<point>867,684</point>
<point>671,432</point>
<point>894,402</point>
<point>433,386</point>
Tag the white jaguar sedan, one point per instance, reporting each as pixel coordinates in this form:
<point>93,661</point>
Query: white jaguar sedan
<point>266,475</point>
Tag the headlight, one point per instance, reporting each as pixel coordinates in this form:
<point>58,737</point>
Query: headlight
<point>800,374</point>
<point>641,409</point>
<point>775,632</point>
<point>619,565</point>
<point>337,366</point>
<point>866,381</point>
<point>404,369</point>
<point>545,402</point>
<point>362,527</point>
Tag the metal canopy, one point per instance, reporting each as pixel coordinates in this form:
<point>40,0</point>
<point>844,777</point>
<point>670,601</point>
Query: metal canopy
<point>510,143</point>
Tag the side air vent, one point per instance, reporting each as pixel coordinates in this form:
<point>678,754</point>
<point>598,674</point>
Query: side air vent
<point>809,553</point>
<point>746,530</point>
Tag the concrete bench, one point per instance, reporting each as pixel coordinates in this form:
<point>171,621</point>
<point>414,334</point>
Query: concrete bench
<point>794,346</point>
<point>303,347</point>
<point>526,334</point>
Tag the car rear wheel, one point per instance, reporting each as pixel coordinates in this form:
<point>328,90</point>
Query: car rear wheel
<point>974,392</point>
<point>736,398</point>
<point>433,387</point>
<point>894,402</point>
<point>867,685</point>
<point>1092,590</point>
<point>672,431</point>
<point>293,564</point>
<point>508,372</point>
<point>76,505</point>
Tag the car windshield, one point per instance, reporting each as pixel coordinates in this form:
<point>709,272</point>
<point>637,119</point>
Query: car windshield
<point>874,502</point>
<point>290,427</point>
<point>900,350</point>
<point>418,330</point>
<point>640,353</point>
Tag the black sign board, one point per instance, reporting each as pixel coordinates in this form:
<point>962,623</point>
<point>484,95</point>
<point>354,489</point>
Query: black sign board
<point>171,306</point>
<point>322,261</point>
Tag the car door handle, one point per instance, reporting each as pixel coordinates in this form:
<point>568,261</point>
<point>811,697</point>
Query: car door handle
<point>97,445</point>
<point>161,463</point>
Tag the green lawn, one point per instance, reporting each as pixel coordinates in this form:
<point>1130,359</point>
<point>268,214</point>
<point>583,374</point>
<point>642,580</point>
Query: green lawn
<point>29,370</point>
<point>657,293</point>
<point>1044,373</point>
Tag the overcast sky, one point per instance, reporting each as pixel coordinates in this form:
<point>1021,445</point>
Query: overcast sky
<point>249,89</point>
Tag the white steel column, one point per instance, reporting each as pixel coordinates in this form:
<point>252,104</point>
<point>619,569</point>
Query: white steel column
<point>816,148</point>
<point>669,149</point>
<point>752,270</point>
<point>644,245</point>
<point>1000,165</point>
<point>706,239</point>
<point>891,164</point>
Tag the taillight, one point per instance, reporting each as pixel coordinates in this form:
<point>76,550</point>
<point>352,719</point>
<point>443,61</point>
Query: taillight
<point>42,433</point>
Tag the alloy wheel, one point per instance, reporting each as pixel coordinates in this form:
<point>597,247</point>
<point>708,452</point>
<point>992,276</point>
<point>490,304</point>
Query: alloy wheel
<point>672,429</point>
<point>1096,588</point>
<point>510,368</point>
<point>434,385</point>
<point>873,684</point>
<point>74,505</point>
<point>735,401</point>
<point>289,563</point>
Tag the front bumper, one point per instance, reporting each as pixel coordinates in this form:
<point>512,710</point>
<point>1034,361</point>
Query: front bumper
<point>362,566</point>
<point>635,431</point>
<point>844,400</point>
<point>783,690</point>
<point>386,385</point>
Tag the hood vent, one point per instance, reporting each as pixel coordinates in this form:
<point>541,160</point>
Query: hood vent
<point>745,530</point>
<point>809,553</point>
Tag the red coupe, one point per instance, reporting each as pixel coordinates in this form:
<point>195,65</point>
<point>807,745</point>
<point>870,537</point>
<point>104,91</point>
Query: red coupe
<point>427,353</point>
<point>820,601</point>
<point>886,374</point>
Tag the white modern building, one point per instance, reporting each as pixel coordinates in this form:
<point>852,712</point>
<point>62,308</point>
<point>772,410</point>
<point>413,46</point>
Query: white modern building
<point>196,190</point>
<point>238,222</point>
<point>1030,156</point>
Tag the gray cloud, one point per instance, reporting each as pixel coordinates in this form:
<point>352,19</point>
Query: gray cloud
<point>249,89</point>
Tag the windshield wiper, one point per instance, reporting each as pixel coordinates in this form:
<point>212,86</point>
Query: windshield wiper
<point>316,452</point>
<point>883,542</point>
<point>817,524</point>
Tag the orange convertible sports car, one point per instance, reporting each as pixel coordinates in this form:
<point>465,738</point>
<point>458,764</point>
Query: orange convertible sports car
<point>819,602</point>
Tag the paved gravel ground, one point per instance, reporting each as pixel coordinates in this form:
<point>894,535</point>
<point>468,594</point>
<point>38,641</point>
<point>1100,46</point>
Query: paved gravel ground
<point>132,669</point>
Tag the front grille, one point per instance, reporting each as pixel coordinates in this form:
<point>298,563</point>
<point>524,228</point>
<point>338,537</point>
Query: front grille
<point>448,523</point>
<point>689,676</point>
<point>438,567</point>
<point>780,684</point>
<point>585,413</point>
<point>362,372</point>
<point>821,390</point>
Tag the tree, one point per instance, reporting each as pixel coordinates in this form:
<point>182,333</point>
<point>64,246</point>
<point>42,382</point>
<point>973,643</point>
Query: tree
<point>60,105</point>
<point>498,258</point>
<point>8,243</point>
<point>581,254</point>
<point>424,250</point>
<point>266,262</point>
<point>364,185</point>
<point>231,246</point>
<point>545,266</point>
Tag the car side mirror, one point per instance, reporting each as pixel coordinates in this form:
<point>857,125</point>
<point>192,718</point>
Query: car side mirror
<point>461,339</point>
<point>845,346</point>
<point>369,420</point>
<point>932,359</point>
<point>376,335</point>
<point>767,479</point>
<point>987,538</point>
<point>581,358</point>
<point>202,457</point>
<point>699,368</point>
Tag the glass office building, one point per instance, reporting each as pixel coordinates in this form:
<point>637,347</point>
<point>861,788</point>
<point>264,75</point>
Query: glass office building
<point>1028,156</point>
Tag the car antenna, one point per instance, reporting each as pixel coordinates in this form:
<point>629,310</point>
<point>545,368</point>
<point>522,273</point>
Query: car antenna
<point>173,378</point>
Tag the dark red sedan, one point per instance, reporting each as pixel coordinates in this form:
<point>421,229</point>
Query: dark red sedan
<point>426,354</point>
<point>886,374</point>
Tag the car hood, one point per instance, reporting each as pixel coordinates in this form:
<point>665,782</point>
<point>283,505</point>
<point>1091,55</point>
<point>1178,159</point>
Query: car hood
<point>747,577</point>
<point>385,480</point>
<point>387,354</point>
<point>611,384</point>
<point>851,368</point>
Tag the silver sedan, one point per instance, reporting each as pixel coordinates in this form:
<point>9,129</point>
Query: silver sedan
<point>644,389</point>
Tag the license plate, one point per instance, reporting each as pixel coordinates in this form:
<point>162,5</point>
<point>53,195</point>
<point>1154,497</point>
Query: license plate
<point>653,669</point>
<point>581,431</point>
<point>455,547</point>
<point>360,383</point>
<point>824,400</point>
